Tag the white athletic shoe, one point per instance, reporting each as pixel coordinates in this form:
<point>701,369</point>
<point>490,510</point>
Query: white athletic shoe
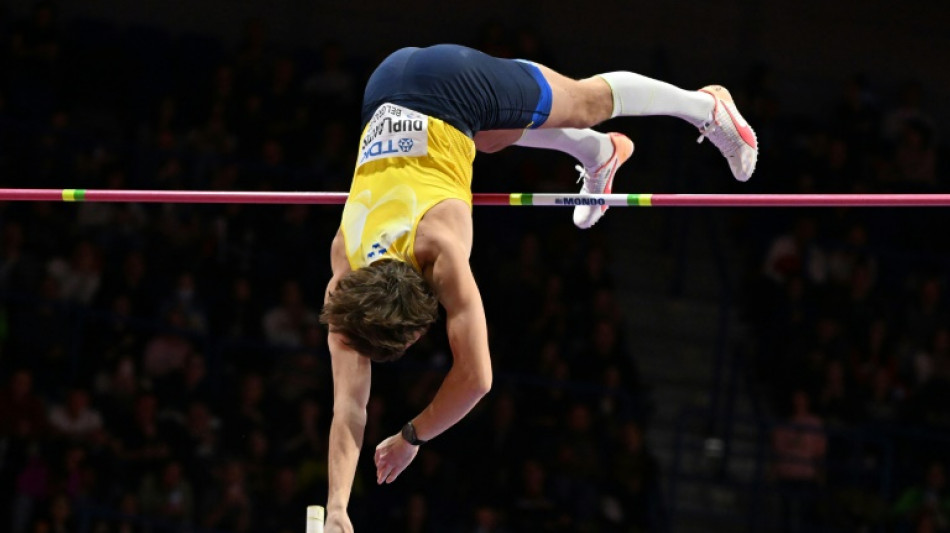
<point>600,181</point>
<point>731,134</point>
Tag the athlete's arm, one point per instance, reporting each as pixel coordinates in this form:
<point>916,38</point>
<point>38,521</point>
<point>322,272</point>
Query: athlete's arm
<point>470,377</point>
<point>351,385</point>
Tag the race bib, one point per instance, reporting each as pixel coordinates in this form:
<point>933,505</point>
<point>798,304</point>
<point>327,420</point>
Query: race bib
<point>395,131</point>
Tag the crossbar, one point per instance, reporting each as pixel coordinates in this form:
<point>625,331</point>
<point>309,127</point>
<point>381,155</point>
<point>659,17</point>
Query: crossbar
<point>536,199</point>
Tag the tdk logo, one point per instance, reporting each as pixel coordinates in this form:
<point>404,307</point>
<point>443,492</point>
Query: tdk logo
<point>405,145</point>
<point>579,201</point>
<point>379,148</point>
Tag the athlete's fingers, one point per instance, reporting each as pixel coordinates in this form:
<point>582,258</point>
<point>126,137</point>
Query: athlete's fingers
<point>393,475</point>
<point>382,473</point>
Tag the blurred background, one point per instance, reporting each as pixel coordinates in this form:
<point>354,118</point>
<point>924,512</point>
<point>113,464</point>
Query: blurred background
<point>672,370</point>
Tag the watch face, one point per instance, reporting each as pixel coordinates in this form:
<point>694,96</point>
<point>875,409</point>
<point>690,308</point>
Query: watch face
<point>409,433</point>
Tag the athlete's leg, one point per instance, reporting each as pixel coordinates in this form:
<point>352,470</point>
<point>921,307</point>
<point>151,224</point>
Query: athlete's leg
<point>491,141</point>
<point>580,103</point>
<point>591,148</point>
<point>587,102</point>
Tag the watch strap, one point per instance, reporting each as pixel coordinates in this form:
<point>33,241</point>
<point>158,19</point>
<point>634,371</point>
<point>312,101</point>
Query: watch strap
<point>409,434</point>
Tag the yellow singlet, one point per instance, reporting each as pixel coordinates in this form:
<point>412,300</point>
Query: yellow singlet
<point>407,163</point>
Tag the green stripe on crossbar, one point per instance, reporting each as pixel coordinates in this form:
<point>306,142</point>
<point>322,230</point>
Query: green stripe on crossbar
<point>74,195</point>
<point>520,198</point>
<point>643,200</point>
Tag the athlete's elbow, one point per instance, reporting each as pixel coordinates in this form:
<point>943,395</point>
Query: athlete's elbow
<point>481,384</point>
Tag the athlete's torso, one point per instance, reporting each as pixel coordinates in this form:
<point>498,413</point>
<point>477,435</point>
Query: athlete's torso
<point>407,164</point>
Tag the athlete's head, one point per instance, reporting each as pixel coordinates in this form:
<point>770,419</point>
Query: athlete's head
<point>381,309</point>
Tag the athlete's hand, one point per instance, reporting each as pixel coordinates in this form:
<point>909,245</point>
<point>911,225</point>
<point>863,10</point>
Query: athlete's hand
<point>338,522</point>
<point>393,455</point>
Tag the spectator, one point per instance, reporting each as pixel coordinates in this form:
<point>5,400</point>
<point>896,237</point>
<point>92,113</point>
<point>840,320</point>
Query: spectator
<point>534,509</point>
<point>332,85</point>
<point>634,478</point>
<point>280,507</point>
<point>916,156</point>
<point>18,267</point>
<point>796,254</point>
<point>78,280</point>
<point>22,413</point>
<point>228,503</point>
<point>31,486</point>
<point>285,324</point>
<point>927,503</point>
<point>59,516</point>
<point>799,446</point>
<point>168,496</point>
<point>487,520</point>
<point>76,419</point>
<point>186,300</point>
<point>144,443</point>
<point>248,412</point>
<point>167,352</point>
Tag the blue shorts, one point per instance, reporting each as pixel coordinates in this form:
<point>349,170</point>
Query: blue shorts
<point>468,89</point>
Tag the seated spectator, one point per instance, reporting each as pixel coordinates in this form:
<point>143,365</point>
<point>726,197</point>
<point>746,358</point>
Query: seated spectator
<point>634,478</point>
<point>796,254</point>
<point>836,401</point>
<point>247,413</point>
<point>241,318</point>
<point>144,442</point>
<point>280,508</point>
<point>882,404</point>
<point>199,445</point>
<point>286,323</point>
<point>134,282</point>
<point>926,504</point>
<point>228,505</point>
<point>36,44</point>
<point>18,268</point>
<point>80,278</point>
<point>534,509</point>
<point>306,438</point>
<point>185,300</point>
<point>167,351</point>
<point>22,413</point>
<point>69,479</point>
<point>58,517</point>
<point>258,463</point>
<point>916,157</point>
<point>799,446</point>
<point>925,313</point>
<point>31,485</point>
<point>168,496</point>
<point>190,385</point>
<point>488,520</point>
<point>416,518</point>
<point>75,420</point>
<point>333,84</point>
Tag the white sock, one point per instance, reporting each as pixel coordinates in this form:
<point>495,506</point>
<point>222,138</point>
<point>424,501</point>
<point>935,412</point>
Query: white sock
<point>636,95</point>
<point>591,148</point>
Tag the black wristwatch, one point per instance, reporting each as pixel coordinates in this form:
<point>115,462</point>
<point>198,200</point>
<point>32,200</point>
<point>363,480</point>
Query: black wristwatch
<point>409,433</point>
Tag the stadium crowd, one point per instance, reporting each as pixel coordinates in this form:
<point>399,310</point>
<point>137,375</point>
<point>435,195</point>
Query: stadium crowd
<point>166,361</point>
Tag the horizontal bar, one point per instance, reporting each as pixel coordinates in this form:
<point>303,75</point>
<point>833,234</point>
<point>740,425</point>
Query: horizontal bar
<point>540,199</point>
